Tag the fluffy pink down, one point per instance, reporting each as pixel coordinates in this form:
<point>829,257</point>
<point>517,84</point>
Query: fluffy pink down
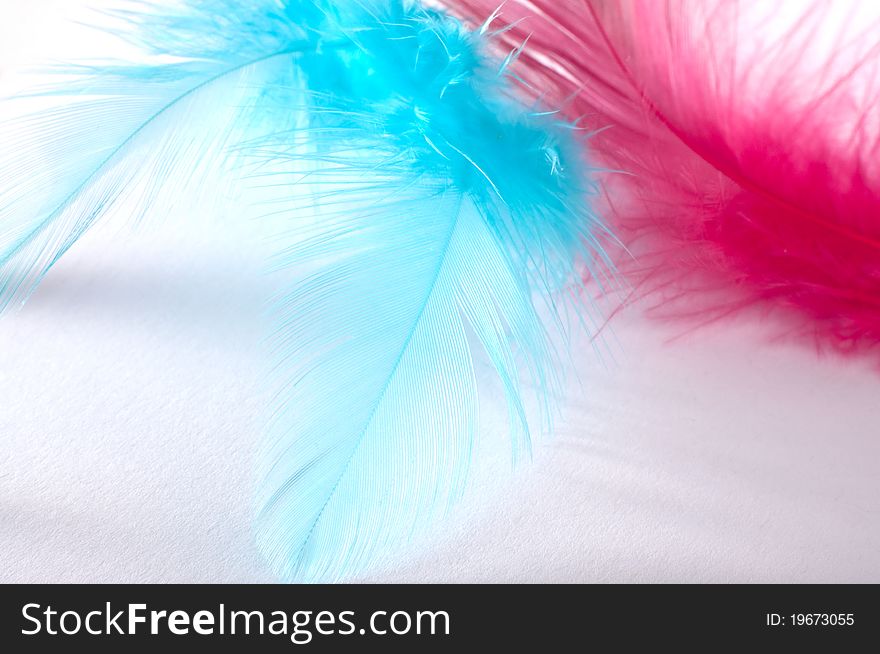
<point>748,136</point>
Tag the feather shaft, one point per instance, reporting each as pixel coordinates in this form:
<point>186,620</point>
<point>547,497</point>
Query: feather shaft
<point>424,215</point>
<point>751,135</point>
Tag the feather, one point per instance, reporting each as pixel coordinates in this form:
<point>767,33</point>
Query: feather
<point>427,215</point>
<point>750,133</point>
<point>101,133</point>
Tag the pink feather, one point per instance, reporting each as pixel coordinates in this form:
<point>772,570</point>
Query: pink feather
<point>750,133</point>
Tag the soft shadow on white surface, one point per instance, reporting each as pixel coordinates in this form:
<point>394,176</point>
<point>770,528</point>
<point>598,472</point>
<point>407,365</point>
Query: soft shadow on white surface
<point>132,406</point>
<point>131,412</point>
<point>713,460</point>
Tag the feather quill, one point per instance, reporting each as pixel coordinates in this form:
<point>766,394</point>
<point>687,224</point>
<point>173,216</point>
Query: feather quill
<point>426,213</point>
<point>750,133</point>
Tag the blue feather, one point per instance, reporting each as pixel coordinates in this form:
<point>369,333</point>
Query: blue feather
<point>427,213</point>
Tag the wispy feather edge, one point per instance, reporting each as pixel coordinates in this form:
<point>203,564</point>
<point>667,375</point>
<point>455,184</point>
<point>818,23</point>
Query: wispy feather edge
<point>749,135</point>
<point>426,211</point>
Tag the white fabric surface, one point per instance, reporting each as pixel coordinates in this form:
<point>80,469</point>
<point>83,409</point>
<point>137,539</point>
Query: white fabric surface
<point>131,406</point>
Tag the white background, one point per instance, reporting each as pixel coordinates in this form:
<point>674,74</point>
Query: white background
<point>131,405</point>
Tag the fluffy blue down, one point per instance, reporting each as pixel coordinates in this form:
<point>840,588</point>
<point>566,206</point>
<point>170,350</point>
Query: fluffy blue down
<point>427,211</point>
